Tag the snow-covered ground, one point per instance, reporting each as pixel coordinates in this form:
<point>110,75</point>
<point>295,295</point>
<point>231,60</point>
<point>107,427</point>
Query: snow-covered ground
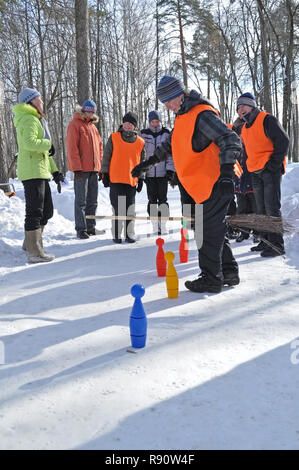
<point>218,371</point>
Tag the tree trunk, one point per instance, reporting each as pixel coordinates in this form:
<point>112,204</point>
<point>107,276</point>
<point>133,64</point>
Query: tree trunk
<point>265,94</point>
<point>157,53</point>
<point>184,65</point>
<point>42,59</point>
<point>3,157</point>
<point>28,46</point>
<point>82,50</point>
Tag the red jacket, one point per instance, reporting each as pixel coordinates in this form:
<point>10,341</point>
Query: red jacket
<point>84,145</point>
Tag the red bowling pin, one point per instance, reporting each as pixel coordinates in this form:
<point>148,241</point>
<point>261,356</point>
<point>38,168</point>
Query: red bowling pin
<point>160,259</point>
<point>184,250</point>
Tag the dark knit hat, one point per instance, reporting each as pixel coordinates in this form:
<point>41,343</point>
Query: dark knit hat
<point>169,88</point>
<point>131,117</point>
<point>154,115</point>
<point>89,106</point>
<point>248,99</point>
<point>27,94</point>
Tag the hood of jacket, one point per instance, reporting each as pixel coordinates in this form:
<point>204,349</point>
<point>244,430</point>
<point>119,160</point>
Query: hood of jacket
<point>22,109</point>
<point>78,114</point>
<point>192,99</point>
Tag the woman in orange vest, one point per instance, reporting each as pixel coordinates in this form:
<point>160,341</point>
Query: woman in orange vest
<point>266,145</point>
<point>124,150</point>
<point>204,151</point>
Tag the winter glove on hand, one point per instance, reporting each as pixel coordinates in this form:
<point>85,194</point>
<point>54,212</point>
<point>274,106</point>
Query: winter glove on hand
<point>143,166</point>
<point>175,181</point>
<point>226,180</point>
<point>170,175</point>
<point>106,180</point>
<point>270,166</point>
<point>78,174</point>
<point>139,185</point>
<point>57,177</point>
<point>52,151</point>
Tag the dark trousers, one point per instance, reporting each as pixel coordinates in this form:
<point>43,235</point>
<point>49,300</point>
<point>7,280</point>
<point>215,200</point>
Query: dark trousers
<point>246,205</point>
<point>86,200</point>
<point>157,195</point>
<point>266,188</point>
<point>215,256</point>
<point>38,203</point>
<point>122,198</point>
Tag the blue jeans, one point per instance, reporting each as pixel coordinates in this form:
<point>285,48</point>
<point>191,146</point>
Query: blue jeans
<point>266,188</point>
<point>86,200</point>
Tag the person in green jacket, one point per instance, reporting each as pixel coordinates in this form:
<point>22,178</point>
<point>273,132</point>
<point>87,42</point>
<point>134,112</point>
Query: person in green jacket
<point>35,168</point>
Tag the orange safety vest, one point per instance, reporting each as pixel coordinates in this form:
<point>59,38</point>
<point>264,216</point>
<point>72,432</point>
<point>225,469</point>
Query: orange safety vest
<point>125,156</point>
<point>197,171</point>
<point>258,146</point>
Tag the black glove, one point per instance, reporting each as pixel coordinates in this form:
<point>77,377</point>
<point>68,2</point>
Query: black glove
<point>100,176</point>
<point>139,185</point>
<point>170,176</point>
<point>78,174</point>
<point>58,177</point>
<point>143,166</point>
<point>226,180</point>
<point>175,180</point>
<point>106,180</point>
<point>271,166</point>
<point>52,151</point>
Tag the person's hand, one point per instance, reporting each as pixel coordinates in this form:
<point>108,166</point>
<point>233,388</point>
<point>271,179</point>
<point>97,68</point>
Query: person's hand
<point>226,180</point>
<point>52,151</point>
<point>144,166</point>
<point>78,174</point>
<point>100,176</point>
<point>139,185</point>
<point>106,180</point>
<point>138,170</point>
<point>170,175</point>
<point>272,167</point>
<point>175,180</point>
<point>58,177</point>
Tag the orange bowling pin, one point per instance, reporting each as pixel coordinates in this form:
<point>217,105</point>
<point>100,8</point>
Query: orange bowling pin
<point>172,281</point>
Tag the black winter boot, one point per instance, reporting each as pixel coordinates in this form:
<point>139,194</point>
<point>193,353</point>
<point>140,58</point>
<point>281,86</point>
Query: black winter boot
<point>231,279</point>
<point>260,247</point>
<point>242,237</point>
<point>82,235</point>
<point>203,284</point>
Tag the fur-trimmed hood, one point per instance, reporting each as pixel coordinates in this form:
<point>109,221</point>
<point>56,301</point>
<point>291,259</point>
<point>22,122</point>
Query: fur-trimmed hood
<point>78,111</point>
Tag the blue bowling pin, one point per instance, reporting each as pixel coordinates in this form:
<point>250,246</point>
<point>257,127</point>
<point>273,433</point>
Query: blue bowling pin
<point>138,322</point>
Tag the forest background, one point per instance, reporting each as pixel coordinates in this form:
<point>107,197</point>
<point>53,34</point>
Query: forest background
<point>114,52</point>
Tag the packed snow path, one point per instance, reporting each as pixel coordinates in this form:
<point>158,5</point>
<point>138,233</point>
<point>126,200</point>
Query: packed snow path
<point>219,371</point>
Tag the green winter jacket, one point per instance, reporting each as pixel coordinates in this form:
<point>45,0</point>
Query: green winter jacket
<point>33,150</point>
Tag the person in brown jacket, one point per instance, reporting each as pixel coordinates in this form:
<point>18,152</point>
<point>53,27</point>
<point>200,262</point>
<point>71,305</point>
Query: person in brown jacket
<point>84,155</point>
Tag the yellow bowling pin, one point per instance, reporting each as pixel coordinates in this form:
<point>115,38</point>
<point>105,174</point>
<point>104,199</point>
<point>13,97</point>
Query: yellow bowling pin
<point>172,281</point>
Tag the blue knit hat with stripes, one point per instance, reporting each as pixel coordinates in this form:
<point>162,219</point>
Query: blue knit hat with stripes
<point>169,88</point>
<point>247,99</point>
